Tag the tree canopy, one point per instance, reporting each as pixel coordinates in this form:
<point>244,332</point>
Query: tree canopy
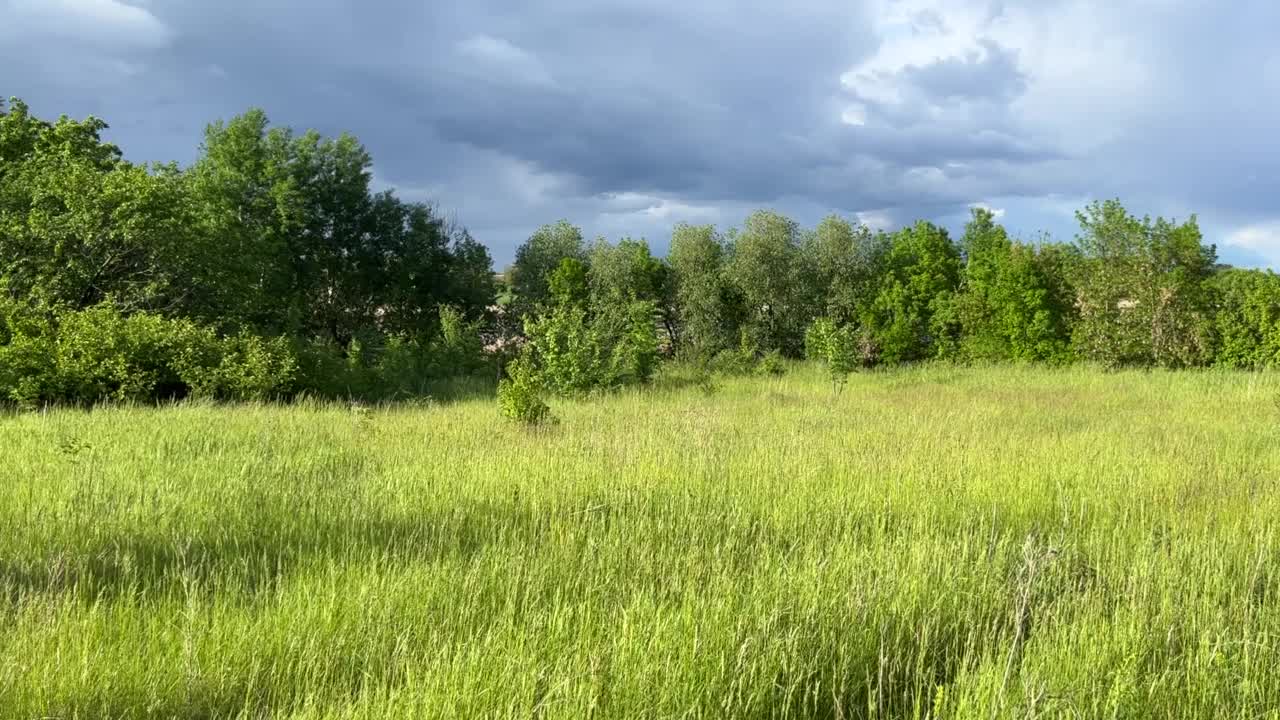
<point>271,266</point>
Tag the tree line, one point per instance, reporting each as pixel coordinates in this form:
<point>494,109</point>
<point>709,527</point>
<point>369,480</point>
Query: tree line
<point>270,267</point>
<point>1128,291</point>
<point>267,267</point>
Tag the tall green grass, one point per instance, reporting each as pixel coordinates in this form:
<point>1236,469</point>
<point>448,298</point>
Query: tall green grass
<point>937,542</point>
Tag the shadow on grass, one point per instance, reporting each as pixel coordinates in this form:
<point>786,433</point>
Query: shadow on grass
<point>245,561</point>
<point>435,392</point>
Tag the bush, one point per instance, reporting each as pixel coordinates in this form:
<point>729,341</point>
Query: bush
<point>241,367</point>
<point>772,364</point>
<point>459,349</point>
<point>842,348</point>
<point>1247,322</point>
<point>98,355</point>
<point>817,339</point>
<point>520,393</point>
<point>576,352</point>
<point>396,366</point>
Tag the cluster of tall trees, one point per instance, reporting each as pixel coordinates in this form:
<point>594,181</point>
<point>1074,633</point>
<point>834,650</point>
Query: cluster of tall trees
<point>268,234</point>
<point>270,266</point>
<point>1128,291</point>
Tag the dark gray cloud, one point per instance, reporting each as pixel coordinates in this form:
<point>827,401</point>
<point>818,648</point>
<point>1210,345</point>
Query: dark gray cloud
<point>991,74</point>
<point>628,115</point>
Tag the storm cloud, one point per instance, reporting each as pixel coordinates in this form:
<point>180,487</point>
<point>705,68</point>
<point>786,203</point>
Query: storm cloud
<point>627,116</point>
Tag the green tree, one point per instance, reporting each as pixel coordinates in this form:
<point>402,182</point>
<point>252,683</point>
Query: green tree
<point>568,283</point>
<point>538,257</point>
<point>310,250</point>
<point>845,259</point>
<point>1006,307</point>
<point>703,317</point>
<point>909,318</point>
<point>1143,297</point>
<point>472,283</point>
<point>767,268</point>
<point>79,226</point>
<point>238,185</point>
<point>627,272</point>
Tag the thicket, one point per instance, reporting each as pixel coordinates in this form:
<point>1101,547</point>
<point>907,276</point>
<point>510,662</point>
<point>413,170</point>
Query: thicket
<point>270,268</point>
<point>267,268</point>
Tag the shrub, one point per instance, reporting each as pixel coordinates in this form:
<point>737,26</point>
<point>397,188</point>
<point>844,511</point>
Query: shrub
<point>817,339</point>
<point>577,352</point>
<point>395,366</point>
<point>520,393</point>
<point>842,348</point>
<point>844,351</point>
<point>459,349</point>
<point>1247,322</point>
<point>772,364</point>
<point>241,367</point>
<point>98,354</point>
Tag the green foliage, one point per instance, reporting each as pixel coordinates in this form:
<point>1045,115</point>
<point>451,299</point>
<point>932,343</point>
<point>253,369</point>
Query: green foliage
<point>843,354</point>
<point>98,355</point>
<point>1143,296</point>
<point>1007,308</point>
<point>769,272</point>
<point>845,260</point>
<point>818,339</point>
<point>271,266</point>
<point>626,271</point>
<point>268,234</point>
<point>520,393</point>
<point>568,283</point>
<point>79,226</point>
<point>293,240</point>
<point>578,350</point>
<point>909,316</point>
<point>571,355</point>
<point>239,367</point>
<point>538,258</point>
<point>1247,321</point>
<point>458,349</point>
<point>394,367</point>
<point>772,364</point>
<point>838,346</point>
<point>700,293</point>
<point>732,362</point>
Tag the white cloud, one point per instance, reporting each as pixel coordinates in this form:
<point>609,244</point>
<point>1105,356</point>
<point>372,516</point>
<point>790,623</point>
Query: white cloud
<point>505,60</point>
<point>854,115</point>
<point>107,24</point>
<point>997,213</point>
<point>641,206</point>
<point>1262,239</point>
<point>1086,75</point>
<point>876,219</point>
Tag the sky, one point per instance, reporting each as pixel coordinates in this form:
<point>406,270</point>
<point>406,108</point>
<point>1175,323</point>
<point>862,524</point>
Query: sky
<point>628,116</point>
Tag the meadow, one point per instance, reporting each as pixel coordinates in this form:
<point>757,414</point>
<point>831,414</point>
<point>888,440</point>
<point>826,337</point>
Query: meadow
<point>934,542</point>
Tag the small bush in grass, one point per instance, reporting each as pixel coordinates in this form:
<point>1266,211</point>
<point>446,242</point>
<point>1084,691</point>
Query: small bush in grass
<point>772,364</point>
<point>817,339</point>
<point>842,348</point>
<point>843,355</point>
<point>706,382</point>
<point>520,394</point>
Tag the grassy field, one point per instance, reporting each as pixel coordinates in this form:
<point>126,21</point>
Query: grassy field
<point>936,542</point>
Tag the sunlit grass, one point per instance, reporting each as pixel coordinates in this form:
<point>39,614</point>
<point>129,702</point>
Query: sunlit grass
<point>937,542</point>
